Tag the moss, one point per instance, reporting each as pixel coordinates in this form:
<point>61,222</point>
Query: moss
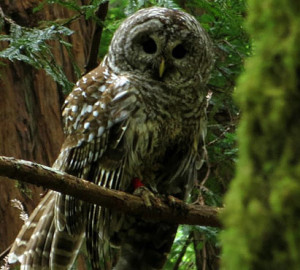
<point>262,216</point>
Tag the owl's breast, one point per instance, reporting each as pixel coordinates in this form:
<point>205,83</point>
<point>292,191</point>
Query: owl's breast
<point>147,141</point>
<point>143,135</point>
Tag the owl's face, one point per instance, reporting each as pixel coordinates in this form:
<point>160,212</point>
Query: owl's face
<point>163,45</point>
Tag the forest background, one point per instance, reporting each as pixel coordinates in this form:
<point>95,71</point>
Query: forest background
<point>46,45</point>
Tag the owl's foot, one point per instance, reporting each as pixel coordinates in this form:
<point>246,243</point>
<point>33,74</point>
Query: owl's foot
<point>142,191</point>
<point>174,203</point>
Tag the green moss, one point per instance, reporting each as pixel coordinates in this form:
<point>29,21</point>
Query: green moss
<point>262,216</point>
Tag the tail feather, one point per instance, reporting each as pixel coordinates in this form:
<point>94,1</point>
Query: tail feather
<point>34,254</point>
<point>41,245</point>
<point>47,246</point>
<point>20,245</point>
<point>64,249</point>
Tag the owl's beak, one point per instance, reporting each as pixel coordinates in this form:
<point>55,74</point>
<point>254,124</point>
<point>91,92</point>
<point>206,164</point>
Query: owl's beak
<point>162,67</point>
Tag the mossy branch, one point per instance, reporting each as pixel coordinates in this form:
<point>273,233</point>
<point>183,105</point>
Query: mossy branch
<point>47,177</point>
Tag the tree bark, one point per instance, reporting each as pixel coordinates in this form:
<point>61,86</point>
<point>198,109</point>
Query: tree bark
<point>30,104</point>
<point>262,207</point>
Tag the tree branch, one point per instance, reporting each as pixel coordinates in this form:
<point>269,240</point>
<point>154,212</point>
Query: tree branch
<point>47,177</point>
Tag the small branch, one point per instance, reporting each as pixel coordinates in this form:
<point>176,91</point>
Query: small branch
<point>5,253</point>
<point>40,175</point>
<point>6,18</point>
<point>219,137</point>
<point>92,59</point>
<point>201,263</point>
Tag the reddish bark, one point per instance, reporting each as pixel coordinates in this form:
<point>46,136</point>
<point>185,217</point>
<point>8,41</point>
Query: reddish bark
<point>30,104</point>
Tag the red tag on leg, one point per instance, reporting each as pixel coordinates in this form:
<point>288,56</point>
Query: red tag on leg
<point>137,183</point>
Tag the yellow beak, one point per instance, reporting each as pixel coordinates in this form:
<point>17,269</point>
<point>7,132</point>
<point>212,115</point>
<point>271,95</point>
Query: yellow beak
<point>162,68</point>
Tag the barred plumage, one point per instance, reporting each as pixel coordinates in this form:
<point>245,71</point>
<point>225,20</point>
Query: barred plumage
<point>139,114</point>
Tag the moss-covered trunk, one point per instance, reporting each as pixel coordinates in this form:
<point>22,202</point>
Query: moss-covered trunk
<point>262,216</point>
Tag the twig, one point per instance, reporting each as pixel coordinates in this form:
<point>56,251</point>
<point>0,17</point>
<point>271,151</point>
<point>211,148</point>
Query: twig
<point>6,18</point>
<point>208,167</point>
<point>92,59</point>
<point>40,175</point>
<point>204,254</point>
<point>5,253</point>
<point>219,137</point>
<point>232,47</point>
<point>198,260</point>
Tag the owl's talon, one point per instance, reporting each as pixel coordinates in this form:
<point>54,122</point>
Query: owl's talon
<point>176,203</point>
<point>172,201</point>
<point>147,196</point>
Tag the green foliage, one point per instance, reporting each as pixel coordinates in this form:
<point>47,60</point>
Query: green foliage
<point>119,10</point>
<point>87,10</point>
<point>29,45</point>
<point>183,240</point>
<point>134,5</point>
<point>24,189</point>
<point>114,18</point>
<point>186,244</point>
<point>70,4</point>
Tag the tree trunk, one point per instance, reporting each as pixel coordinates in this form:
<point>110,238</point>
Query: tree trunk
<point>30,103</point>
<point>262,207</point>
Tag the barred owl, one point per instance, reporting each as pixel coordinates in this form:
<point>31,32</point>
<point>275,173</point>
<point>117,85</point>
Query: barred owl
<point>140,115</point>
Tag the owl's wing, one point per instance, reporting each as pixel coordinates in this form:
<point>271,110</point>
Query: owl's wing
<point>96,116</point>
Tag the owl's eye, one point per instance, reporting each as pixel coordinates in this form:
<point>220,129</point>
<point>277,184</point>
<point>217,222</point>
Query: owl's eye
<point>149,46</point>
<point>179,51</point>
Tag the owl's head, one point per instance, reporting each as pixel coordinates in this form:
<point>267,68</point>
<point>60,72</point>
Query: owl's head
<point>162,44</point>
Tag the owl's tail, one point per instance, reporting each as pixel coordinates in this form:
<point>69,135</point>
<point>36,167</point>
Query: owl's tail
<point>39,245</point>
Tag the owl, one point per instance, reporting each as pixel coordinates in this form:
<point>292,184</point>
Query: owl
<point>135,122</point>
